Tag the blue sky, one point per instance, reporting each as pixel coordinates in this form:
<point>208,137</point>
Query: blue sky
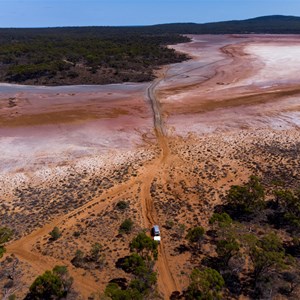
<point>48,13</point>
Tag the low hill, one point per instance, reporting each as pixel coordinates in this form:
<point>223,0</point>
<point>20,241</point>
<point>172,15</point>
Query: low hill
<point>268,24</point>
<point>276,24</point>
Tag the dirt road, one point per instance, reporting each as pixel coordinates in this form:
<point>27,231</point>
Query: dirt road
<point>24,247</point>
<point>166,281</point>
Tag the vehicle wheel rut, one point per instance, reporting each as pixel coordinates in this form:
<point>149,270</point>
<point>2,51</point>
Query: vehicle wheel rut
<point>166,281</point>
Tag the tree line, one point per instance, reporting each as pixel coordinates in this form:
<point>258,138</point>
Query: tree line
<point>61,56</point>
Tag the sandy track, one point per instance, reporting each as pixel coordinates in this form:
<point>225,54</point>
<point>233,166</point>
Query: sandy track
<point>166,282</point>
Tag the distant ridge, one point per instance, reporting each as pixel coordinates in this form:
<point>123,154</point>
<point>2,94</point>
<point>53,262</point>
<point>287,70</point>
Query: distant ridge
<point>275,24</point>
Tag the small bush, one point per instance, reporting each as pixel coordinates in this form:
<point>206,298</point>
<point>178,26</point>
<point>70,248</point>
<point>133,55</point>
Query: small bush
<point>247,199</point>
<point>126,226</point>
<point>2,251</point>
<point>195,235</point>
<point>222,219</point>
<point>169,224</point>
<point>5,234</point>
<point>114,292</point>
<point>55,234</point>
<point>132,263</point>
<point>122,205</point>
<point>95,252</point>
<point>76,233</point>
<point>78,259</point>
<point>205,284</point>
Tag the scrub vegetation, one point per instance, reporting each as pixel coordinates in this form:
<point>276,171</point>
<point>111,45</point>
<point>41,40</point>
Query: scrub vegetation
<point>62,56</point>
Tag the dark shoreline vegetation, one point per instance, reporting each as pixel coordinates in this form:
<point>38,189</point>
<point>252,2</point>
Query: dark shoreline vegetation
<point>102,55</point>
<point>83,56</point>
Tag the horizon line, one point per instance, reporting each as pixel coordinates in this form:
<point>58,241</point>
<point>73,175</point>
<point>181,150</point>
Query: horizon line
<point>147,25</point>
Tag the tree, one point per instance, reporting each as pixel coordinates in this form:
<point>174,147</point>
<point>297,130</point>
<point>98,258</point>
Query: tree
<point>205,285</point>
<point>266,255</point>
<point>282,197</point>
<point>2,251</point>
<point>248,198</point>
<point>78,259</point>
<point>226,249</point>
<point>289,204</point>
<point>145,246</point>
<point>95,258</point>
<point>114,292</point>
<point>222,220</point>
<point>53,284</point>
<point>195,235</point>
<point>55,234</point>
<point>5,235</point>
<point>63,274</point>
<point>132,262</point>
<point>144,280</point>
<point>95,252</point>
<point>169,224</point>
<point>122,205</point>
<point>126,226</point>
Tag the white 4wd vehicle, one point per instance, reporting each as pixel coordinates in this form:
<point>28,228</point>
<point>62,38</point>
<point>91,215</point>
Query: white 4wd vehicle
<point>155,232</point>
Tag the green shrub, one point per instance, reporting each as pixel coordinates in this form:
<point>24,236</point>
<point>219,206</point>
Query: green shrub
<point>169,224</point>
<point>5,234</point>
<point>55,234</point>
<point>122,205</point>
<point>95,252</point>
<point>222,219</point>
<point>132,262</point>
<point>267,254</point>
<point>145,246</point>
<point>53,284</point>
<point>195,235</point>
<point>226,249</point>
<point>114,292</point>
<point>2,251</point>
<point>288,202</point>
<point>205,285</point>
<point>248,198</point>
<point>126,226</point>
